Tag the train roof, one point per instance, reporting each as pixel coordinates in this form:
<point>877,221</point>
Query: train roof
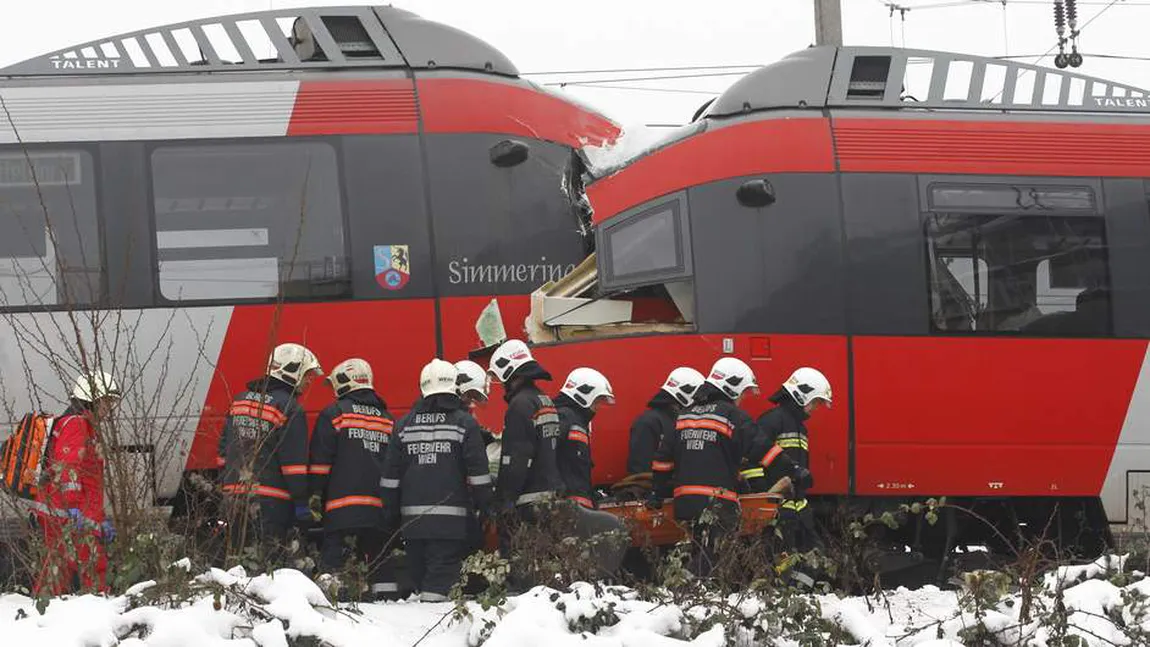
<point>884,77</point>
<point>352,37</point>
<point>903,80</point>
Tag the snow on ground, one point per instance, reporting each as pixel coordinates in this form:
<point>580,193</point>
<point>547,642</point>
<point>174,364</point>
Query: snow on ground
<point>278,610</point>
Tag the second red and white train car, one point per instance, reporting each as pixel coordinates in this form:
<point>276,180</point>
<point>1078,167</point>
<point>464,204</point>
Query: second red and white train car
<point>969,264</point>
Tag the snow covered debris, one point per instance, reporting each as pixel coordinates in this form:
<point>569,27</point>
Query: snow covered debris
<point>286,608</point>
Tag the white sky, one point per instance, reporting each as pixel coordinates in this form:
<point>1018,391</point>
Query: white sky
<point>548,35</point>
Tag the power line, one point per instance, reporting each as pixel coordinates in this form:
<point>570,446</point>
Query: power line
<point>639,89</point>
<point>682,68</point>
<point>646,78</point>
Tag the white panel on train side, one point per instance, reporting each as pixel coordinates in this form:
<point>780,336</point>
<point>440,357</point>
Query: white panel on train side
<point>1130,467</point>
<point>163,359</point>
<point>145,112</point>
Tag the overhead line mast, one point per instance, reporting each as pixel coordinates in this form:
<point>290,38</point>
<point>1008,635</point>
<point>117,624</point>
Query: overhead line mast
<point>828,22</point>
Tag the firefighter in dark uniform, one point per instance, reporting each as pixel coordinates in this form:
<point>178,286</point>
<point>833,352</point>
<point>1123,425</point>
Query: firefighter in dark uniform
<point>703,456</point>
<point>436,470</point>
<point>663,409</point>
<point>474,388</point>
<point>580,398</point>
<point>264,449</point>
<point>528,470</point>
<point>348,446</point>
<point>784,431</point>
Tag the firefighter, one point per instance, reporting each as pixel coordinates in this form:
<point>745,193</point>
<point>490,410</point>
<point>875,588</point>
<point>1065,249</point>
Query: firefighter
<point>712,437</point>
<point>474,384</point>
<point>70,505</point>
<point>264,450</point>
<point>348,446</point>
<point>584,392</point>
<point>676,394</point>
<point>528,471</point>
<point>784,431</point>
<point>474,388</point>
<point>436,470</point>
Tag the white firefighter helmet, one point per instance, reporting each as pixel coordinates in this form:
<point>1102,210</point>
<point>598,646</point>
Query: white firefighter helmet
<point>437,376</point>
<point>732,376</point>
<point>585,385</point>
<point>290,362</point>
<point>92,386</point>
<point>510,355</point>
<point>682,383</point>
<point>350,375</point>
<point>807,384</point>
<point>472,377</point>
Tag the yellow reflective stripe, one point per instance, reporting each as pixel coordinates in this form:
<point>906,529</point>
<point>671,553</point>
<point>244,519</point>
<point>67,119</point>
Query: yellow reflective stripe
<point>753,473</point>
<point>797,506</point>
<point>792,443</point>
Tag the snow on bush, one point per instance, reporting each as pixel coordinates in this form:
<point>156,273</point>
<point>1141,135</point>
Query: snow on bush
<point>1096,603</point>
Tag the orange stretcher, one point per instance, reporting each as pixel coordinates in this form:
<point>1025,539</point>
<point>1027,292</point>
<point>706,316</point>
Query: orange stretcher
<point>658,527</point>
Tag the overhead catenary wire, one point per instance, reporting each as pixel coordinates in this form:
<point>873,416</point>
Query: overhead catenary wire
<point>622,70</point>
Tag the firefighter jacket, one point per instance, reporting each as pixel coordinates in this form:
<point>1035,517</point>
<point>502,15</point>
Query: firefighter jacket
<point>573,454</point>
<point>648,430</point>
<point>703,455</point>
<point>528,470</point>
<point>785,434</point>
<point>436,469</point>
<point>75,468</point>
<point>264,445</point>
<point>348,446</point>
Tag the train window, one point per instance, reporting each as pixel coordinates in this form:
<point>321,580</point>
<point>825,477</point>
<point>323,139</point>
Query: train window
<point>1031,275</point>
<point>646,247</point>
<point>49,235</point>
<point>249,221</point>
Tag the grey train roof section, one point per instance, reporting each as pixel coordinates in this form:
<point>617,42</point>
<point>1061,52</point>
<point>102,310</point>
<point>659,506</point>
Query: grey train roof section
<point>875,77</point>
<point>328,38</point>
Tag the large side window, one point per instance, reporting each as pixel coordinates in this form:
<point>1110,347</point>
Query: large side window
<point>247,221</point>
<point>1017,260</point>
<point>650,246</point>
<point>49,234</point>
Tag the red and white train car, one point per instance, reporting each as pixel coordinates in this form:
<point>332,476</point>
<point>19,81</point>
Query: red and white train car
<point>357,179</point>
<point>969,264</point>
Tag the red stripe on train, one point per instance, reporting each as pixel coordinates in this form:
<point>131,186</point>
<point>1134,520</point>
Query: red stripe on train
<point>355,108</point>
<point>475,106</point>
<point>992,147</point>
<point>788,145</point>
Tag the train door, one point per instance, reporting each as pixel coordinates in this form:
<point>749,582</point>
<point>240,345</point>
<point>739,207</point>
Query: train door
<point>768,277</point>
<point>981,309</point>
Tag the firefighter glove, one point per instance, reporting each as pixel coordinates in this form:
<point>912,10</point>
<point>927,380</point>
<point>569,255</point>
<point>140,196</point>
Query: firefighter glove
<point>654,501</point>
<point>315,504</point>
<point>108,531</point>
<point>803,478</point>
<point>77,517</point>
<point>303,514</point>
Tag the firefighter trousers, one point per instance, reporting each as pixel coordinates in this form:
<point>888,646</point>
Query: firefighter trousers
<point>434,565</point>
<point>75,559</point>
<point>369,546</point>
<point>797,526</point>
<point>709,533</point>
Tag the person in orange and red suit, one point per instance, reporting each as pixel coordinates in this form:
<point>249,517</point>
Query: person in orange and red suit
<point>70,504</point>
